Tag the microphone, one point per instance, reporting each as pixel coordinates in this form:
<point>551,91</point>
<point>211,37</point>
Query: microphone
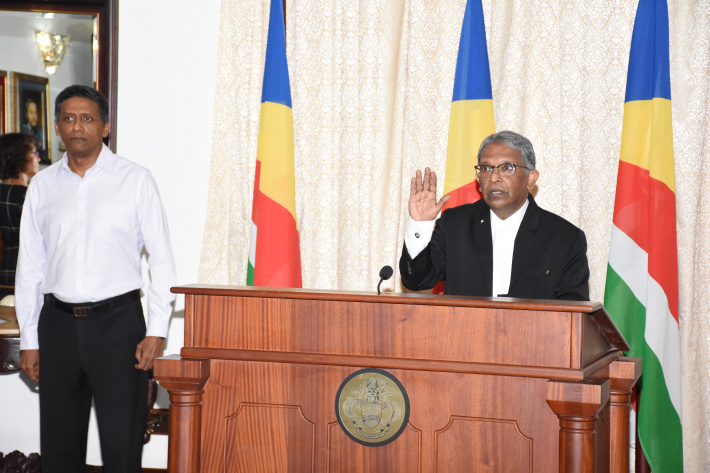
<point>385,273</point>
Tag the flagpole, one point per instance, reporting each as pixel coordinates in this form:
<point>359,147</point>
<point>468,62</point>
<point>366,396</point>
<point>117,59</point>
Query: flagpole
<point>641,464</point>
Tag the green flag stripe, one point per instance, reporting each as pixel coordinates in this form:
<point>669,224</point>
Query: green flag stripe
<point>660,332</point>
<point>250,274</point>
<point>660,432</point>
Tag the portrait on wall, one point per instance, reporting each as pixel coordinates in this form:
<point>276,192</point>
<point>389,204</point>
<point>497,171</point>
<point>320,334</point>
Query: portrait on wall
<point>3,102</point>
<point>30,111</point>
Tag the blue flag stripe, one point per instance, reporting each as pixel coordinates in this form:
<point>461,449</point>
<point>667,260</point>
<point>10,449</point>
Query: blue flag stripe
<point>473,76</point>
<point>649,66</point>
<point>277,88</point>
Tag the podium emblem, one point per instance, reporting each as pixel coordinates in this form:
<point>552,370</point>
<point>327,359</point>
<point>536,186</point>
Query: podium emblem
<point>372,407</point>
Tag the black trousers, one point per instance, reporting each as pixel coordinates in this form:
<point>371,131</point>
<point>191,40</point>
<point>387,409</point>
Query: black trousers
<point>91,357</point>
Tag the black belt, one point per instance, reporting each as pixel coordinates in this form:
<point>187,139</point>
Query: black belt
<point>85,309</point>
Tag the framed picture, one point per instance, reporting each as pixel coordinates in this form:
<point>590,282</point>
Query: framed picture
<point>3,102</point>
<point>30,111</point>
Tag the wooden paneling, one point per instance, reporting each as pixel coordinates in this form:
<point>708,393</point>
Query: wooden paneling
<point>269,437</point>
<point>289,408</point>
<point>483,445</point>
<point>372,329</point>
<point>346,456</point>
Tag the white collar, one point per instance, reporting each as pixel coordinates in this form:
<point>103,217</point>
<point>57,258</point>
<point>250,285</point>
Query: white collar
<point>511,222</point>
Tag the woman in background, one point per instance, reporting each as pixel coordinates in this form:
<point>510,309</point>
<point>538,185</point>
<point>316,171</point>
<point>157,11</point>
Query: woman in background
<point>19,161</point>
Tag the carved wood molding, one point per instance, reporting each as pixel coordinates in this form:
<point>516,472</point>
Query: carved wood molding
<point>577,405</point>
<point>184,379</point>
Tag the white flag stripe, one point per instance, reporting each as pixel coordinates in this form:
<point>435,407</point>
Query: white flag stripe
<point>662,335</point>
<point>252,245</point>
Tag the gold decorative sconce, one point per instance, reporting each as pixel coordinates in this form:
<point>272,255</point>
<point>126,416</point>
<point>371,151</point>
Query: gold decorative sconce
<point>52,47</point>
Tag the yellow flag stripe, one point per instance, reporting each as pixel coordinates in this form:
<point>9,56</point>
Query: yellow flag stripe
<point>275,151</point>
<point>471,122</point>
<point>647,138</point>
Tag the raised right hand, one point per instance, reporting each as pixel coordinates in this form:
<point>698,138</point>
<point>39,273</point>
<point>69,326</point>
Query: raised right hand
<point>422,197</point>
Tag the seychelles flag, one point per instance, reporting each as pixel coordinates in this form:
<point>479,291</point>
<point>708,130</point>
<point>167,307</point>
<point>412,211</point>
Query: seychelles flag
<point>471,109</point>
<point>471,112</point>
<point>274,252</point>
<point>642,276</point>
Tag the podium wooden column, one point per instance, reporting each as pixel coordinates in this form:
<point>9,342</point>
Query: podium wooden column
<point>495,385</point>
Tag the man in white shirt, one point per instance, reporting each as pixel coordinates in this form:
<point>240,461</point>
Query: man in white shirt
<point>502,245</point>
<point>85,222</point>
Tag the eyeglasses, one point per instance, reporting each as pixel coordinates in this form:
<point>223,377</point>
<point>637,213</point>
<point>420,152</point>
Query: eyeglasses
<point>505,169</point>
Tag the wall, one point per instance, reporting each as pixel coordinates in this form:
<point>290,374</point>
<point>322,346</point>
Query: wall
<point>167,67</point>
<point>167,70</point>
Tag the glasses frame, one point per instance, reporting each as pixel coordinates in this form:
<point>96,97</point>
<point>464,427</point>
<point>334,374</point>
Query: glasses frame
<point>497,168</point>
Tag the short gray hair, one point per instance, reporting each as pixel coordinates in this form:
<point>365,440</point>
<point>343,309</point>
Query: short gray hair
<point>514,141</point>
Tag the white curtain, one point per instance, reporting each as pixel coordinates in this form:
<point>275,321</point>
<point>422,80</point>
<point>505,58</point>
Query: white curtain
<point>371,83</point>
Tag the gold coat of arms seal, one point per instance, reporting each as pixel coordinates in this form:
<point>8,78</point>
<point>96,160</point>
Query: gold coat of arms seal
<point>372,407</point>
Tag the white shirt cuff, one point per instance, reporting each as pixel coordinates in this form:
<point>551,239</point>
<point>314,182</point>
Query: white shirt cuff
<point>158,323</point>
<point>29,340</point>
<point>418,235</point>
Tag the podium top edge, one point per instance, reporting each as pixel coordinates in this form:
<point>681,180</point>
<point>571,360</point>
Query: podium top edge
<point>389,298</point>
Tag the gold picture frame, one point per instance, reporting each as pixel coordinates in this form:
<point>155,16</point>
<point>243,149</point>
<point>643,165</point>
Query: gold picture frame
<point>30,111</point>
<point>3,102</point>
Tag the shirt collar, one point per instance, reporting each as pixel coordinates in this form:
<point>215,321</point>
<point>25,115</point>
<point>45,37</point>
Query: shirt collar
<point>512,221</point>
<point>105,161</point>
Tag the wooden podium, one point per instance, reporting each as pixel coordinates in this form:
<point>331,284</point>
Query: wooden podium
<point>494,385</point>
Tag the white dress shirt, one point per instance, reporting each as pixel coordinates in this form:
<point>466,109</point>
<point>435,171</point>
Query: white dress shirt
<point>81,239</point>
<point>503,232</point>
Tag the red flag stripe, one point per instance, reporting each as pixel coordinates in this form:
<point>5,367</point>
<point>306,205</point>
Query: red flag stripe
<point>463,195</point>
<point>279,261</point>
<point>645,211</point>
